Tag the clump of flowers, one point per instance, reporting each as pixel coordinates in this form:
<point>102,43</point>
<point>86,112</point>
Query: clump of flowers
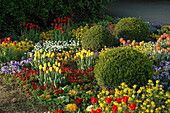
<point>150,98</point>
<point>25,45</point>
<point>84,59</point>
<point>78,33</point>
<point>166,29</point>
<point>57,46</point>
<point>162,73</point>
<point>157,51</point>
<point>46,35</point>
<point>13,67</point>
<point>71,107</point>
<point>13,50</point>
<point>62,26</point>
<point>29,31</point>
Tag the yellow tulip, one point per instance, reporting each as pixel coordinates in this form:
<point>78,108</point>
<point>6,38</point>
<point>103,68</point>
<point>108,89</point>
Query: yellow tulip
<point>40,67</point>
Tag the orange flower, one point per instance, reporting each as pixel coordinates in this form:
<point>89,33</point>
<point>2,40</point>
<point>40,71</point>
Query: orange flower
<point>71,107</point>
<point>160,39</point>
<point>168,49</point>
<point>157,48</point>
<point>168,43</point>
<point>124,42</point>
<point>158,45</point>
<point>163,50</point>
<point>128,41</point>
<point>168,38</point>
<point>136,43</point>
<point>48,96</point>
<point>121,39</point>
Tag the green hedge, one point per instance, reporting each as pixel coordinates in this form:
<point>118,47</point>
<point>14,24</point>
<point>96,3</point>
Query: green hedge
<point>42,12</point>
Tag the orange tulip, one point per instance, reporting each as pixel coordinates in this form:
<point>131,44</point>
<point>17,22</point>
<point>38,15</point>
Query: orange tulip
<point>157,48</point>
<point>120,39</point>
<point>128,41</point>
<point>158,45</point>
<point>160,39</point>
<point>124,42</point>
<point>137,43</point>
<point>168,43</point>
<point>168,38</point>
<point>163,50</point>
<point>168,49</point>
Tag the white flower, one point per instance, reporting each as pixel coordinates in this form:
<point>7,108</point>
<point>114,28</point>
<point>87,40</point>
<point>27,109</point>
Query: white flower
<point>89,108</point>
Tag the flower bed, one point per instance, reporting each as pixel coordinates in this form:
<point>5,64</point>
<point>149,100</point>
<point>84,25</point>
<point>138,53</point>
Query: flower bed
<point>58,73</point>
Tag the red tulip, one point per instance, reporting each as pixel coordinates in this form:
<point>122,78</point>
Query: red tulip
<point>109,100</point>
<point>97,110</point>
<point>132,106</point>
<point>59,111</point>
<point>78,100</point>
<point>63,31</point>
<point>128,112</point>
<point>55,20</point>
<point>52,24</point>
<point>60,28</point>
<point>64,24</point>
<point>119,100</point>
<point>93,100</point>
<point>125,99</point>
<point>0,40</point>
<point>114,108</point>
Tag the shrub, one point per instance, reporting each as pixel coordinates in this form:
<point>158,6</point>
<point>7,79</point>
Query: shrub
<point>122,65</point>
<point>96,38</point>
<point>132,29</point>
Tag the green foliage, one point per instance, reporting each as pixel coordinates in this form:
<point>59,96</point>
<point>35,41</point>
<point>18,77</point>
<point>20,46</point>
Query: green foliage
<point>96,38</point>
<point>43,12</point>
<point>132,29</point>
<point>122,65</point>
<point>8,54</point>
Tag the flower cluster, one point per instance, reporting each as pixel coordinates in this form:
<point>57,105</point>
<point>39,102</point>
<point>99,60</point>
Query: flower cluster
<point>46,35</point>
<point>157,51</point>
<point>84,58</point>
<point>29,25</point>
<point>151,98</point>
<point>29,31</point>
<point>57,46</point>
<point>61,28</point>
<point>162,74</point>
<point>78,33</point>
<point>25,45</point>
<point>13,67</point>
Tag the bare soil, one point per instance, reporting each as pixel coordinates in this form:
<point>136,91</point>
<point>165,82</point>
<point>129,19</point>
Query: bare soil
<point>13,100</point>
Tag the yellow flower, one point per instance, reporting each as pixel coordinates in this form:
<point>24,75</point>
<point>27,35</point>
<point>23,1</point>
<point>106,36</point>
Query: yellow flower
<point>30,54</point>
<point>40,67</point>
<point>71,107</point>
<point>44,68</point>
<point>107,92</point>
<point>89,92</point>
<point>51,69</point>
<point>134,86</point>
<point>149,81</point>
<point>46,71</point>
<point>157,81</point>
<point>73,92</point>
